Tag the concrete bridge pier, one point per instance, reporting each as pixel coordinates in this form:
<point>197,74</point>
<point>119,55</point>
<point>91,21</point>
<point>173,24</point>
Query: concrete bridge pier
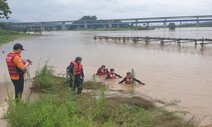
<point>78,27</point>
<point>30,28</point>
<point>110,25</point>
<point>85,25</point>
<point>104,26</point>
<point>63,26</point>
<point>136,22</point>
<point>42,28</point>
<point>118,26</point>
<point>147,25</point>
<point>54,28</point>
<point>165,23</point>
<point>197,23</point>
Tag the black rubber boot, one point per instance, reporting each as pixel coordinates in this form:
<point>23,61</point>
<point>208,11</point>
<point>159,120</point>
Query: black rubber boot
<point>79,91</point>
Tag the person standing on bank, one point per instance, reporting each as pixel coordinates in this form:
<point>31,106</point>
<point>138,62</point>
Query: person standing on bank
<point>17,68</point>
<point>76,74</point>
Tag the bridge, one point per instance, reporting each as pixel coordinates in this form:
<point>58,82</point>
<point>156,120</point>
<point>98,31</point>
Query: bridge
<point>110,23</point>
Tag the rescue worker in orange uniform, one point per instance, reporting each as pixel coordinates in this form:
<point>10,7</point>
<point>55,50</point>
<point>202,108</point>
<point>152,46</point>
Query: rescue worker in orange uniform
<point>17,68</point>
<point>130,80</point>
<point>76,74</point>
<point>102,71</point>
<point>112,74</point>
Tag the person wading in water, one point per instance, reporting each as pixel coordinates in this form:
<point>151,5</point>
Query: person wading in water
<point>129,79</point>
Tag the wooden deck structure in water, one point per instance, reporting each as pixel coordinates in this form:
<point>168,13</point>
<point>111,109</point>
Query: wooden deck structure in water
<point>203,41</point>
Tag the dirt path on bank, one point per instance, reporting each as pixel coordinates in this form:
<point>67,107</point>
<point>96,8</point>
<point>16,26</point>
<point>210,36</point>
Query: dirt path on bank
<point>7,89</point>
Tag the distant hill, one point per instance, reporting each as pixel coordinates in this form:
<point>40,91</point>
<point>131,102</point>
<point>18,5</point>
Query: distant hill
<point>9,20</point>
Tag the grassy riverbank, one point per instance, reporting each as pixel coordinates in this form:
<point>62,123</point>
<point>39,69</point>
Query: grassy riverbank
<point>59,106</point>
<point>7,35</point>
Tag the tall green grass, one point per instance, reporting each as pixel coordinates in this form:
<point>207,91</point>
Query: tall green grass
<point>64,110</point>
<point>46,81</point>
<point>44,78</point>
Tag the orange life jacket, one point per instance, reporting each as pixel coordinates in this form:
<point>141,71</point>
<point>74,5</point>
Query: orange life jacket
<point>102,71</point>
<point>12,68</point>
<point>112,75</point>
<point>128,80</point>
<point>77,68</point>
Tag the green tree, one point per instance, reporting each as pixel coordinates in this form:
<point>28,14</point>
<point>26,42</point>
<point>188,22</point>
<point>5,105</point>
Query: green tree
<point>172,26</point>
<point>4,25</point>
<point>89,18</point>
<point>4,9</point>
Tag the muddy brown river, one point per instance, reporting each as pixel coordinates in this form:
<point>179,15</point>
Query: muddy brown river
<point>171,72</point>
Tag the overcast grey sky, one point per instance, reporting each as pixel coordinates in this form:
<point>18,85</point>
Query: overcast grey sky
<point>54,10</point>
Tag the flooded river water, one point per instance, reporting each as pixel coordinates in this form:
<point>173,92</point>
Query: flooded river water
<point>171,72</point>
